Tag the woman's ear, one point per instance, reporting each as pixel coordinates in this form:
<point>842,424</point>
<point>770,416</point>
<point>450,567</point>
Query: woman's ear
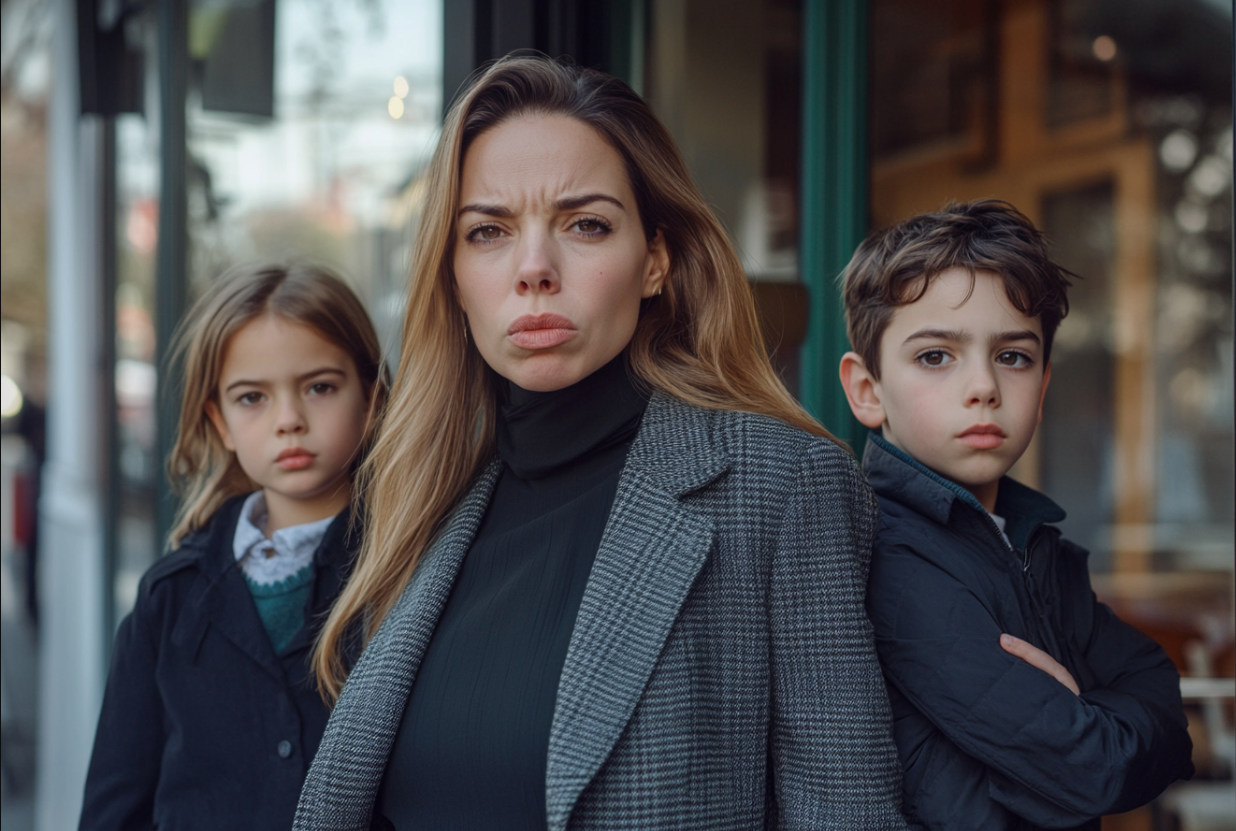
<point>216,418</point>
<point>657,265</point>
<point>862,390</point>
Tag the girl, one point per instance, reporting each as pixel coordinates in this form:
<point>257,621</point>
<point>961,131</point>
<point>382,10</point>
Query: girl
<point>614,573</point>
<point>211,713</point>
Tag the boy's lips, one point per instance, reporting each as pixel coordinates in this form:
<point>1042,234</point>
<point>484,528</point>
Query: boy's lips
<point>294,458</point>
<point>983,436</point>
<point>541,331</point>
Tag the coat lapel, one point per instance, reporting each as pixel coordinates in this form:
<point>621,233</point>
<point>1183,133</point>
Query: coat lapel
<point>366,719</point>
<point>651,551</point>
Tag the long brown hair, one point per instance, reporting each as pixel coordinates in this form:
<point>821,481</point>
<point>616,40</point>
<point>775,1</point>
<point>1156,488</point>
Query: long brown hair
<point>204,473</point>
<point>698,341</point>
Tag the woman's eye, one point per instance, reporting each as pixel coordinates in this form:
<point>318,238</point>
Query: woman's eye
<point>592,226</point>
<point>1013,358</point>
<point>484,233</point>
<point>934,357</point>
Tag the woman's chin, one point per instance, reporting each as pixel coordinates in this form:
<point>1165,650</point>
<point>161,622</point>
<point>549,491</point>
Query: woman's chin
<point>547,372</point>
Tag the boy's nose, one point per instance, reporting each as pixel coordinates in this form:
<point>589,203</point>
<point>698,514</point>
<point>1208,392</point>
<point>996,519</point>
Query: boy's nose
<point>983,389</point>
<point>538,271</point>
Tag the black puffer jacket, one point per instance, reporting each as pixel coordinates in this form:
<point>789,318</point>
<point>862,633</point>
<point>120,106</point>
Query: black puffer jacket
<point>203,725</point>
<point>988,741</point>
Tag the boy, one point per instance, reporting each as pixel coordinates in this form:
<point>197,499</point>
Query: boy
<point>1018,700</point>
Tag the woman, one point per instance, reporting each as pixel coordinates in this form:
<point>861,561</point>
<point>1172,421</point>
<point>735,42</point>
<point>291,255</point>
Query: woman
<point>614,575</point>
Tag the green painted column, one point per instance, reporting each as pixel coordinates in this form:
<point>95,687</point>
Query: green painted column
<point>834,195</point>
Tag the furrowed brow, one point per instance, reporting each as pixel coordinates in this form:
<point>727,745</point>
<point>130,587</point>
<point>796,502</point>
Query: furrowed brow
<point>571,203</point>
<point>487,210</point>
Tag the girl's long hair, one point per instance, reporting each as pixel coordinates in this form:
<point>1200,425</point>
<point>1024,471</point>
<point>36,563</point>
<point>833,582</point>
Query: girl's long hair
<point>204,473</point>
<point>698,341</point>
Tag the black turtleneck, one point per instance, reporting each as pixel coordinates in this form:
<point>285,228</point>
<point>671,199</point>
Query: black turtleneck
<point>471,750</point>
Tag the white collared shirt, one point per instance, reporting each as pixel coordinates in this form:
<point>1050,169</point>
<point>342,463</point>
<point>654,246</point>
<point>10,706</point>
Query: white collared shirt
<point>269,560</point>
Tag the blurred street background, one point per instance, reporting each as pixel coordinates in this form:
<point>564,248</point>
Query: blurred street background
<point>148,145</point>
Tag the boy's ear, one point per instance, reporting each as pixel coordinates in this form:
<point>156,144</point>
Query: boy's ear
<point>1043,392</point>
<point>862,391</point>
<point>216,418</point>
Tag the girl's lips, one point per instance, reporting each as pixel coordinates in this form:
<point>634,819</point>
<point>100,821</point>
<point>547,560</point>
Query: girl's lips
<point>541,331</point>
<point>294,459</point>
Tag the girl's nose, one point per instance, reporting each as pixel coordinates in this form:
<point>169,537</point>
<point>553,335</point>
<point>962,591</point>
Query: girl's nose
<point>289,420</point>
<point>538,272</point>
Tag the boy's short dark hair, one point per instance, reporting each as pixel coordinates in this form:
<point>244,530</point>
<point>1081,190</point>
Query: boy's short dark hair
<point>894,267</point>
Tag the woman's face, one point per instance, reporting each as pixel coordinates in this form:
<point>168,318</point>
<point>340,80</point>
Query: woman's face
<point>551,260</point>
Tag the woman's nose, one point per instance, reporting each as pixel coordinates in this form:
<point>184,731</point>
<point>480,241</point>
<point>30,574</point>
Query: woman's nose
<point>538,271</point>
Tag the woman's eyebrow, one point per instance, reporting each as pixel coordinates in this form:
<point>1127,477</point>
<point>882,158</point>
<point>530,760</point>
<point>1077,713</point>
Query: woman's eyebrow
<point>570,203</point>
<point>488,210</point>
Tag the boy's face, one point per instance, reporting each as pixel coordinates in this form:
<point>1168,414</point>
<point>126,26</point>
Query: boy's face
<point>962,381</point>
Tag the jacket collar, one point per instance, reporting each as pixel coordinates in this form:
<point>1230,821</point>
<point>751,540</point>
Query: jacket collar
<point>220,598</point>
<point>651,551</point>
<point>896,475</point>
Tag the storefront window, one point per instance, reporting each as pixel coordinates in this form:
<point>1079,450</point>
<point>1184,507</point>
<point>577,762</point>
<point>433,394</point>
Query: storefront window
<point>725,77</point>
<point>308,123</point>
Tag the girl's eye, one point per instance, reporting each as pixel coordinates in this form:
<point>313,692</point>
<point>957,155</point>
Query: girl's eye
<point>321,388</point>
<point>1013,358</point>
<point>933,358</point>
<point>249,399</point>
<point>592,226</point>
<point>484,233</point>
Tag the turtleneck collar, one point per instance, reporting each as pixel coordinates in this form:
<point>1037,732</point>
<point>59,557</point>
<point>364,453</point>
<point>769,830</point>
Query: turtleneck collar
<point>540,433</point>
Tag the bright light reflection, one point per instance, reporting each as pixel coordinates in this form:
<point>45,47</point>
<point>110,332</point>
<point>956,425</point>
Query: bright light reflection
<point>10,397</point>
<point>395,108</point>
<point>1104,48</point>
<point>401,87</point>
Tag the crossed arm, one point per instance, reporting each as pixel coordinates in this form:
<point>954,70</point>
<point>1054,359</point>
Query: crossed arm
<point>1035,745</point>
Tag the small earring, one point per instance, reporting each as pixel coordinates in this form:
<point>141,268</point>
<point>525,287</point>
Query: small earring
<point>658,294</point>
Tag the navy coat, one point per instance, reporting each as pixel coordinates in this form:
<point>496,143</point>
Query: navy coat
<point>720,674</point>
<point>203,726</point>
<point>988,741</point>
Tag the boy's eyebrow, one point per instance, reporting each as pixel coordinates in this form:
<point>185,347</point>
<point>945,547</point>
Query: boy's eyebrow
<point>940,334</point>
<point>326,370</point>
<point>960,336</point>
<point>1019,334</point>
<point>568,203</point>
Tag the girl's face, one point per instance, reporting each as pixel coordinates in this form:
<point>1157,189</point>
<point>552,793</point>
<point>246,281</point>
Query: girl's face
<point>292,407</point>
<point>551,260</point>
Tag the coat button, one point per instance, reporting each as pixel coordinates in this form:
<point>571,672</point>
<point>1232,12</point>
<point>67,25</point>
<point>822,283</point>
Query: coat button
<point>284,749</point>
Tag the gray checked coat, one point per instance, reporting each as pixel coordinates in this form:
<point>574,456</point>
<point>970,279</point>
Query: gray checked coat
<point>721,673</point>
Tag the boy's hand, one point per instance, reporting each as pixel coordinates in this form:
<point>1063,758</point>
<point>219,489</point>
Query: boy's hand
<point>1038,659</point>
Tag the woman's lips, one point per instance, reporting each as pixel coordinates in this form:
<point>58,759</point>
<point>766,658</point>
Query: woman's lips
<point>541,331</point>
<point>983,437</point>
<point>294,458</point>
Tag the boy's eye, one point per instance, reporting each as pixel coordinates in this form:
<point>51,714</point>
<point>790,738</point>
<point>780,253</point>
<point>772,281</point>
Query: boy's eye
<point>933,357</point>
<point>1013,358</point>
